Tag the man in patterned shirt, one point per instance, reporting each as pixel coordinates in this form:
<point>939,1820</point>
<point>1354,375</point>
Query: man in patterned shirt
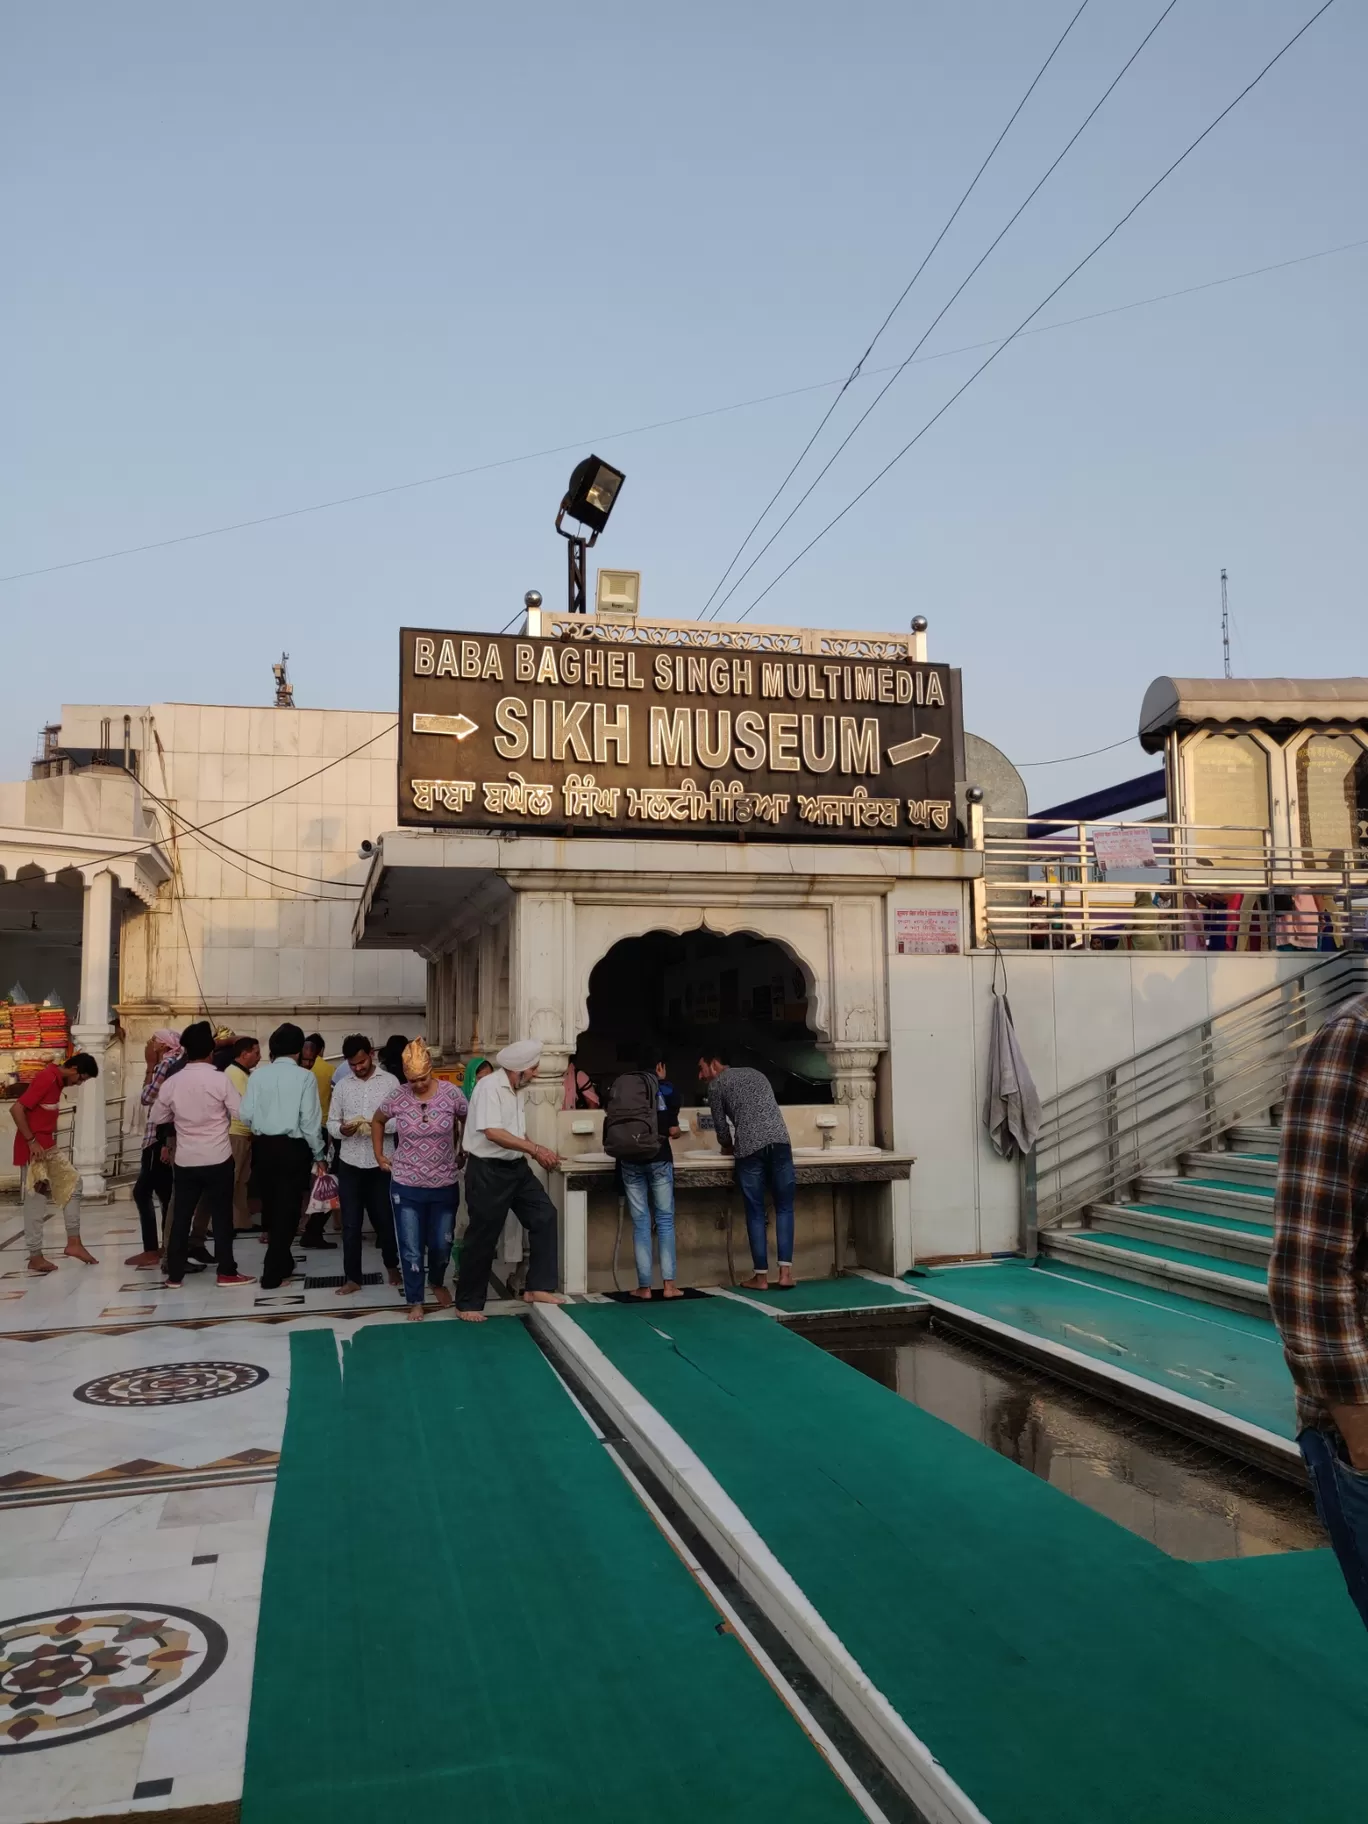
<point>749,1126</point>
<point>1318,1277</point>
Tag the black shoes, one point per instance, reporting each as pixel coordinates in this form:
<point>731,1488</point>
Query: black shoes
<point>198,1251</point>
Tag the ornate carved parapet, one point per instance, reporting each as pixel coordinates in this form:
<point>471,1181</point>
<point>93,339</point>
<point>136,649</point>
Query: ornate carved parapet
<point>724,636</point>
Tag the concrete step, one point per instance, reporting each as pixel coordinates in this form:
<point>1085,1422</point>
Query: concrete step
<point>1207,1196</point>
<point>1220,1237</point>
<point>1252,1137</point>
<point>1168,1269</point>
<point>1233,1168</point>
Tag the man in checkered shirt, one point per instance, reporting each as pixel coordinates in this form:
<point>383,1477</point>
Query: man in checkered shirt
<point>1318,1277</point>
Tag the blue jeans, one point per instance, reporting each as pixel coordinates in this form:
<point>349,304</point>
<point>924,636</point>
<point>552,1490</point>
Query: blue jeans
<point>648,1188</point>
<point>773,1165</point>
<point>424,1220</point>
<point>1342,1503</point>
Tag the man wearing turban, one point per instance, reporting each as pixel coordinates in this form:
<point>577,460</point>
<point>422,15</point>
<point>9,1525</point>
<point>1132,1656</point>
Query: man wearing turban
<point>499,1180</point>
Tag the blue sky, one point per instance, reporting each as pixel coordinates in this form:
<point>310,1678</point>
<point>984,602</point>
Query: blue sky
<point>263,256</point>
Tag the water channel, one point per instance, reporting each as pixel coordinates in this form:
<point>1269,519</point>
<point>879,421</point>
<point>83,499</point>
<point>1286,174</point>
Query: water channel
<point>1189,1500</point>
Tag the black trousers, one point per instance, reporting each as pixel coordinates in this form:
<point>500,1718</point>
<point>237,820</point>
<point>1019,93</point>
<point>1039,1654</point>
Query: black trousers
<point>494,1187</point>
<point>364,1192</point>
<point>154,1180</point>
<point>281,1168</point>
<point>213,1183</point>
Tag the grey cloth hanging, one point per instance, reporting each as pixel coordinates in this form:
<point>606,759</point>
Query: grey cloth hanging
<point>1011,1109</point>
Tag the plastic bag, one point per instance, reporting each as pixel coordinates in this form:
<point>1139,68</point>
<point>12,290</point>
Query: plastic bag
<point>60,1177</point>
<point>323,1198</point>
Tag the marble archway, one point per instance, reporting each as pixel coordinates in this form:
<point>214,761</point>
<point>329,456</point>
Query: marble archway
<point>837,938</point>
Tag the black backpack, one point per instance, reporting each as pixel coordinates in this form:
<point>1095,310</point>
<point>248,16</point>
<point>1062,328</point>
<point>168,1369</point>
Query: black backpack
<point>630,1130</point>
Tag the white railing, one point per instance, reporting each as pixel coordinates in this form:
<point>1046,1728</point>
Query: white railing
<point>1050,884</point>
<point>1178,1095</point>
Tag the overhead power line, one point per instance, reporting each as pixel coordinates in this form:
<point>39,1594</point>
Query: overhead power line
<point>1070,275</point>
<point>1021,209</point>
<point>237,858</point>
<point>240,810</point>
<point>714,411</point>
<point>1063,759</point>
<point>858,368</point>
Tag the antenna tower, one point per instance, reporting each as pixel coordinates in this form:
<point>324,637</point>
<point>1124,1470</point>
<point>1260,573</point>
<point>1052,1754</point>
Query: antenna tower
<point>1225,625</point>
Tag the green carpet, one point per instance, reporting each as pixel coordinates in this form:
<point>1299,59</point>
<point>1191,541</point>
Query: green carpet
<point>1062,1669</point>
<point>1226,1184</point>
<point>844,1294</point>
<point>1231,1360</point>
<point>1181,1257</point>
<point>1299,1599</point>
<point>467,1614</point>
<point>1235,1225</point>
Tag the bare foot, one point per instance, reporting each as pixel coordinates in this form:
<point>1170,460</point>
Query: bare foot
<point>443,1297</point>
<point>786,1278</point>
<point>672,1290</point>
<point>544,1298</point>
<point>759,1282</point>
<point>394,1276</point>
<point>643,1292</point>
<point>471,1317</point>
<point>77,1249</point>
<point>39,1263</point>
<point>415,1314</point>
<point>347,1287</point>
<point>149,1258</point>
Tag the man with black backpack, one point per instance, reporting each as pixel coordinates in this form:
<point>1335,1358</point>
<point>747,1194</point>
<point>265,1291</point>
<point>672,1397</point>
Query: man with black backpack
<point>639,1122</point>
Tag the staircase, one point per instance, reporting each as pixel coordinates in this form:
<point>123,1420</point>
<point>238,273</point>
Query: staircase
<point>1161,1169</point>
<point>1204,1231</point>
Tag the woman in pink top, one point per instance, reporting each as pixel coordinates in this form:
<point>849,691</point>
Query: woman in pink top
<point>428,1115</point>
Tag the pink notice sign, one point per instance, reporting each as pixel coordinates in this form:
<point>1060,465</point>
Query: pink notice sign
<point>926,933</point>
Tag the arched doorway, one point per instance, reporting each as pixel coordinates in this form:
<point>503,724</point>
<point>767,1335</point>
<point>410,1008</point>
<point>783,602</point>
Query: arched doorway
<point>683,995</point>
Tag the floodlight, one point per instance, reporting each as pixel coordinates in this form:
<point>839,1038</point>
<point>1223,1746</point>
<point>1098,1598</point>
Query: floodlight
<point>594,487</point>
<point>618,592</point>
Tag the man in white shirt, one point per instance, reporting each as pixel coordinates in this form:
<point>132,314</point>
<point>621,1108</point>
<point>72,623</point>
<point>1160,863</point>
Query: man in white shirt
<point>201,1102</point>
<point>499,1180</point>
<point>363,1188</point>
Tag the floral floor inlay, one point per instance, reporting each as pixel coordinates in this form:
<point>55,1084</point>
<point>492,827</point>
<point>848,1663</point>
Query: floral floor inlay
<point>170,1384</point>
<point>66,1675</point>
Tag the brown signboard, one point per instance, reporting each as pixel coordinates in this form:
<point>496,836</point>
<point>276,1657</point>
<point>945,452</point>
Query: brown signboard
<point>566,736</point>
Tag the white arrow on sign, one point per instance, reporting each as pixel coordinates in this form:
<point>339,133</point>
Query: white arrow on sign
<point>913,750</point>
<point>460,726</point>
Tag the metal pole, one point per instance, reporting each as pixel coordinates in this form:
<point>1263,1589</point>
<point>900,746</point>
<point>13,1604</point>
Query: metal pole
<point>574,554</point>
<point>1225,625</point>
<point>1030,1207</point>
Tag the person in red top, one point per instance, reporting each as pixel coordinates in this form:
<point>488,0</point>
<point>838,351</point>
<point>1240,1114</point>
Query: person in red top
<point>35,1117</point>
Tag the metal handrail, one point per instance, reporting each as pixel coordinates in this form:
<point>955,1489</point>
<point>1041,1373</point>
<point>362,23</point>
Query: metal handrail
<point>1044,884</point>
<point>1179,1095</point>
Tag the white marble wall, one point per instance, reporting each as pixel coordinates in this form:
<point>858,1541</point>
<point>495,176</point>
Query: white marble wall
<point>1076,1013</point>
<point>261,943</point>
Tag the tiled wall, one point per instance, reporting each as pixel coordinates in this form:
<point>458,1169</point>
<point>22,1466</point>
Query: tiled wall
<point>263,938</point>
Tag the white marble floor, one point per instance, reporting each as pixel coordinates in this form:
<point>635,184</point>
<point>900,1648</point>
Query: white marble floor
<point>201,1550</point>
<point>184,1549</point>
